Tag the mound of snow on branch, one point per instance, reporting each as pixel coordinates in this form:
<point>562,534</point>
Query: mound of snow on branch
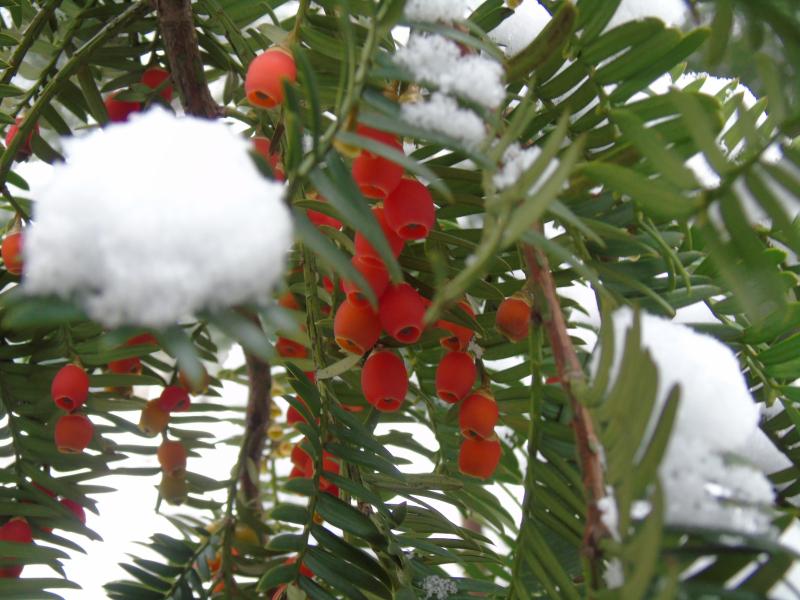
<point>709,481</point>
<point>154,219</point>
<point>521,28</point>
<point>430,11</point>
<point>442,114</point>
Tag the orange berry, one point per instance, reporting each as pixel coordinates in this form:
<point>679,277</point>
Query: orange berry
<point>289,349</point>
<point>214,565</point>
<point>384,381</point>
<point>16,530</point>
<point>265,76</point>
<point>120,110</point>
<point>513,317</point>
<point>376,176</point>
<point>155,77</point>
<point>153,420</point>
<point>317,218</point>
<point>73,433</point>
<point>409,210</point>
<point>264,147</point>
<point>288,301</point>
<point>25,150</point>
<point>126,366</point>
<point>194,389</point>
<point>376,275</point>
<point>461,335</point>
<point>173,489</point>
<point>11,251</point>
<point>478,415</point>
<point>76,508</point>
<point>304,570</point>
<point>401,311</point>
<point>174,399</point>
<point>172,458</point>
<point>455,376</point>
<point>141,340</point>
<point>479,458</point>
<point>219,587</point>
<point>70,387</point>
<point>300,458</point>
<point>356,328</point>
<point>365,250</point>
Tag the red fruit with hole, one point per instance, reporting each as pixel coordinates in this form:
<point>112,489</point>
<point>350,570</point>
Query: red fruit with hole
<point>126,366</point>
<point>266,75</point>
<point>376,275</point>
<point>174,399</point>
<point>384,381</point>
<point>384,137</point>
<point>513,317</point>
<point>455,376</point>
<point>16,530</point>
<point>365,250</point>
<point>290,349</point>
<point>155,77</point>
<point>356,328</point>
<point>73,433</point>
<point>11,251</point>
<point>304,570</point>
<point>120,110</point>
<point>401,311</point>
<point>24,150</point>
<point>172,458</point>
<point>479,458</point>
<point>478,415</point>
<point>70,387</point>
<point>409,210</point>
<point>195,388</point>
<point>141,340</point>
<point>460,335</point>
<point>153,419</point>
<point>377,177</point>
<point>263,147</point>
<point>318,218</point>
<point>76,508</point>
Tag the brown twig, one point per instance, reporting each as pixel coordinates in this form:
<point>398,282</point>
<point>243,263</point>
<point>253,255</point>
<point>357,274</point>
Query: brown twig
<point>547,310</point>
<point>257,416</point>
<point>180,42</point>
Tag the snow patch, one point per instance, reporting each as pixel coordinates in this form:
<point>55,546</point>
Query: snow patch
<point>439,587</point>
<point>521,28</point>
<point>430,11</point>
<point>515,162</point>
<point>154,219</point>
<point>442,114</point>
<point>671,12</point>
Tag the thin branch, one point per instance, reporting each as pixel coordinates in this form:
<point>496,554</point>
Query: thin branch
<point>547,312</point>
<point>180,42</point>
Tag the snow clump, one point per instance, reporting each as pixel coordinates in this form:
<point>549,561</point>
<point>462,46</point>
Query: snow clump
<point>154,219</point>
<point>708,481</point>
<point>430,11</point>
<point>436,60</point>
<point>521,28</point>
<point>439,587</point>
<point>442,114</point>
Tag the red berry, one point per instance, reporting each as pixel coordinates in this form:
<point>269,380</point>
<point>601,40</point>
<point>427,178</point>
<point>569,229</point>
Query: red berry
<point>70,387</point>
<point>141,340</point>
<point>126,366</point>
<point>300,458</point>
<point>172,458</point>
<point>384,381</point>
<point>513,317</point>
<point>330,465</point>
<point>455,376</point>
<point>401,310</point>
<point>120,110</point>
<point>11,251</point>
<point>265,76</point>
<point>377,277</point>
<point>356,328</point>
<point>174,399</point>
<point>460,335</point>
<point>390,139</point>
<point>317,218</point>
<point>263,147</point>
<point>297,472</point>
<point>195,389</point>
<point>550,380</point>
<point>155,77</point>
<point>479,458</point>
<point>294,416</point>
<point>327,284</point>
<point>409,210</point>
<point>153,419</point>
<point>73,433</point>
<point>16,530</point>
<point>304,570</point>
<point>45,490</point>
<point>478,415</point>
<point>376,176</point>
<point>75,508</point>
<point>24,150</point>
<point>290,349</point>
<point>288,301</point>
<point>365,250</point>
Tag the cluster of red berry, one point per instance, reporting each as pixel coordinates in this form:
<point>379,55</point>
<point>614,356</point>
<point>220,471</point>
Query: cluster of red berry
<point>120,110</point>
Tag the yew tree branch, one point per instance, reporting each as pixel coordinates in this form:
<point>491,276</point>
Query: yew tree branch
<point>180,42</point>
<point>547,311</point>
